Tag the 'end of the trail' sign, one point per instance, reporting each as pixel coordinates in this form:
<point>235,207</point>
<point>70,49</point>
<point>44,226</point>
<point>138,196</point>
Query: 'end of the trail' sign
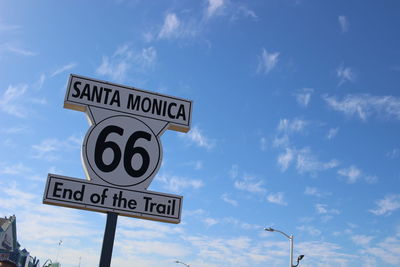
<point>82,194</point>
<point>83,92</point>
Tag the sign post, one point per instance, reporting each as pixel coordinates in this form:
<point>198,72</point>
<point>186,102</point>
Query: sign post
<point>121,154</point>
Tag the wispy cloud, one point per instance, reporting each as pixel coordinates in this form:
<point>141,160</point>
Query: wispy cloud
<point>250,184</point>
<point>313,191</point>
<point>354,174</point>
<point>323,209</point>
<point>11,99</point>
<point>366,105</point>
<point>303,97</point>
<point>8,27</point>
<point>170,27</point>
<point>362,240</point>
<point>305,160</point>
<point>291,126</point>
<point>225,197</point>
<point>64,68</point>
<point>176,184</point>
<point>125,59</point>
<point>263,143</point>
<point>267,61</point>
<point>196,136</point>
<point>48,148</point>
<point>343,23</point>
<point>277,198</point>
<point>387,205</point>
<point>345,74</point>
<point>332,133</point>
<point>17,50</point>
<point>214,6</point>
<point>310,230</point>
<point>286,158</point>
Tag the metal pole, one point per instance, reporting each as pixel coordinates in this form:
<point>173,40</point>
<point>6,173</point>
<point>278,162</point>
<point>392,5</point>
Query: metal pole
<point>108,240</point>
<point>291,250</point>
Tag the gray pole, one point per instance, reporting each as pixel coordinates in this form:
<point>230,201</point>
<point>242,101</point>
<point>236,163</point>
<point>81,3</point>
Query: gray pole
<point>291,250</point>
<point>108,240</point>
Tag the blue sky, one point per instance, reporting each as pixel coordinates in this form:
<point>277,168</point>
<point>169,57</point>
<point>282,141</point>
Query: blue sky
<point>295,125</point>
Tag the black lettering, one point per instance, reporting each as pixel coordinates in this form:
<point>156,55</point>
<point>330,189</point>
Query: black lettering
<point>69,191</point>
<point>115,99</point>
<point>56,188</point>
<point>107,90</point>
<point>169,110</point>
<point>181,113</point>
<point>78,195</point>
<point>146,100</point>
<point>96,94</point>
<point>76,88</point>
<point>156,106</point>
<point>133,102</point>
<point>132,204</point>
<point>146,207</point>
<point>86,92</point>
<point>161,208</point>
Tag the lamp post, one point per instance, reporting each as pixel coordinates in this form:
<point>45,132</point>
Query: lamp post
<point>187,265</point>
<point>291,237</point>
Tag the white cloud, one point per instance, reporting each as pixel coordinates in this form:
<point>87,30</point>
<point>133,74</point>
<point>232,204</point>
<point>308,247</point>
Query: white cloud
<point>345,74</point>
<point>7,27</point>
<point>291,126</point>
<point>170,27</point>
<point>48,148</point>
<point>250,184</point>
<point>313,191</point>
<point>267,61</point>
<point>277,198</point>
<point>214,6</point>
<point>63,69</point>
<point>323,209</point>
<point>352,174</point>
<point>210,221</point>
<point>362,240</point>
<point>196,136</point>
<point>387,205</point>
<point>10,100</point>
<point>284,159</point>
<point>387,250</point>
<point>17,50</point>
<point>365,105</point>
<point>125,59</point>
<point>176,184</point>
<point>304,96</point>
<point>234,171</point>
<point>344,23</point>
<point>263,143</point>
<point>310,230</point>
<point>332,133</point>
<point>225,197</point>
<point>307,162</point>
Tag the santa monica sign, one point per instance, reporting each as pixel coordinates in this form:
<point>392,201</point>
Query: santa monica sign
<point>121,151</point>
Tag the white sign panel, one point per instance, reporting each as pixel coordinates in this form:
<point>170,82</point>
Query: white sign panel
<point>85,92</point>
<point>122,151</point>
<point>83,194</point>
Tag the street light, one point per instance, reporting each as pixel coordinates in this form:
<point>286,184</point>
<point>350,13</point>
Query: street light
<point>269,229</point>
<point>187,265</point>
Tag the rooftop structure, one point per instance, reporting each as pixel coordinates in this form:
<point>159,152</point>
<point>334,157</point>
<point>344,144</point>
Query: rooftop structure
<point>10,249</point>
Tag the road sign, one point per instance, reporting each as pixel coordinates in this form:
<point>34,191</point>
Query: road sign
<point>121,154</point>
<point>122,151</point>
<point>81,194</point>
